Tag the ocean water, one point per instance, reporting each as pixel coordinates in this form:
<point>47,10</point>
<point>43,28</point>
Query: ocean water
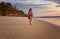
<point>55,21</point>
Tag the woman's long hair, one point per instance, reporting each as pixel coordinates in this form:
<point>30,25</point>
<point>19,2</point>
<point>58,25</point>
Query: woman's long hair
<point>30,9</point>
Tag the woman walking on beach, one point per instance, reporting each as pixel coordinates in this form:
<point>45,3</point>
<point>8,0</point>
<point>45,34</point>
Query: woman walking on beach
<point>30,15</point>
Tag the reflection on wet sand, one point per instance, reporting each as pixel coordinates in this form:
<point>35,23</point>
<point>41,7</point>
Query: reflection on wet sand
<point>55,21</point>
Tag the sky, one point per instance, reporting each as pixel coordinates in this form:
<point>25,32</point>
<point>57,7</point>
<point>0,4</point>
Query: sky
<point>40,7</point>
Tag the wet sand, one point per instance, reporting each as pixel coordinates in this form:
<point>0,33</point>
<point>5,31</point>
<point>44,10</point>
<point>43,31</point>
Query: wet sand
<point>19,28</point>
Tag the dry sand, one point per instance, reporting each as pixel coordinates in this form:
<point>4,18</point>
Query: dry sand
<point>19,28</point>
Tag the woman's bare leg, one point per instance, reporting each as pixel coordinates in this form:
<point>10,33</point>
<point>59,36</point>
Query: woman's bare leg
<point>30,20</point>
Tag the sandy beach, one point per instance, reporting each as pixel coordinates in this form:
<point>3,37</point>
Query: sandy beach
<point>19,28</point>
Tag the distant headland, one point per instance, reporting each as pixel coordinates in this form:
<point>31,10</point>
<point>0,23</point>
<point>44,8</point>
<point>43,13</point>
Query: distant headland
<point>48,17</point>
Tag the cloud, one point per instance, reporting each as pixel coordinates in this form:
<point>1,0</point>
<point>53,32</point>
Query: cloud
<point>57,1</point>
<point>51,6</point>
<point>3,0</point>
<point>33,1</point>
<point>25,1</point>
<point>50,10</point>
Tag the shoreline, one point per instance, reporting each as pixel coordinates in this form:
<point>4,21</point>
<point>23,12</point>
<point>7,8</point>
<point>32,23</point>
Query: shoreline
<point>54,21</point>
